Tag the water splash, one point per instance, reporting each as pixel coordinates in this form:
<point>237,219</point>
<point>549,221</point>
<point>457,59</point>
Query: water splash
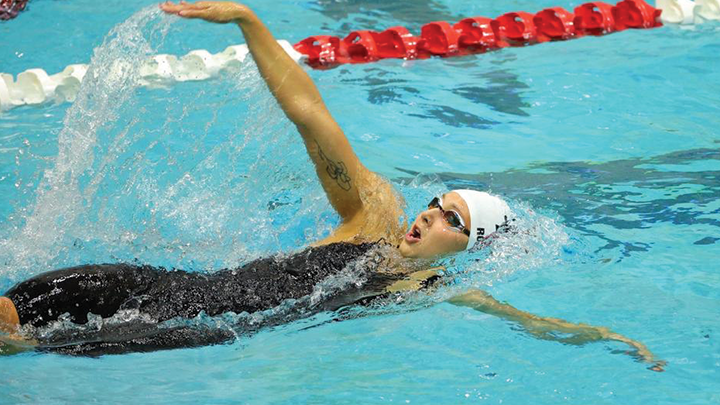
<point>200,176</point>
<point>63,193</point>
<point>535,240</point>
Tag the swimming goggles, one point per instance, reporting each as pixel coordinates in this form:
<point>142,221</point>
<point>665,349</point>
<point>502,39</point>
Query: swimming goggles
<point>452,218</point>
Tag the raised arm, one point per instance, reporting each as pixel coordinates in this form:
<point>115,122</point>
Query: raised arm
<point>336,164</point>
<point>548,328</point>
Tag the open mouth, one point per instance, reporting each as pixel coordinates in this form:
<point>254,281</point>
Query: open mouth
<point>413,235</point>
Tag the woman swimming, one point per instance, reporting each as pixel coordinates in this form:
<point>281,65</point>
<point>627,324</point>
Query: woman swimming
<point>371,241</point>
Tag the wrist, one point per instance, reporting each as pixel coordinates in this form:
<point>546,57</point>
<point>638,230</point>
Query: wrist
<point>244,15</point>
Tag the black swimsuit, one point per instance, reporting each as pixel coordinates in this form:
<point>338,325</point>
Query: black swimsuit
<point>161,295</point>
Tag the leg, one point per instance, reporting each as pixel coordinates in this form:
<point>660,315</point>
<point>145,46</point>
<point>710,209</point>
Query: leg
<point>13,342</point>
<point>77,291</point>
<point>9,320</point>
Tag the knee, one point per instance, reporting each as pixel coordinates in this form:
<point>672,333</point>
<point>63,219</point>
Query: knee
<point>9,320</point>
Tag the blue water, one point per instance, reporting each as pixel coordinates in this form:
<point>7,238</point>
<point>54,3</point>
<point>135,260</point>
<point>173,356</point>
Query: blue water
<point>608,147</point>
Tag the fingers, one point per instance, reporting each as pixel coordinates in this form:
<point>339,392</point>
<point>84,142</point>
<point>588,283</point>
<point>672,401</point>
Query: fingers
<point>169,7</point>
<point>177,9</point>
<point>196,6</point>
<point>203,14</point>
<point>659,366</point>
<point>644,355</point>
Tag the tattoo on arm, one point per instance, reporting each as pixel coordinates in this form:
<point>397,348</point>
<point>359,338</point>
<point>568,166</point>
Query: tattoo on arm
<point>336,170</point>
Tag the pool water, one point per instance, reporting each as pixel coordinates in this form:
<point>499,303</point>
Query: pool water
<point>608,149</point>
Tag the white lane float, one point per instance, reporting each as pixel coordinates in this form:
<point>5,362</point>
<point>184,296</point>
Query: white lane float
<point>708,9</point>
<point>688,12</point>
<point>36,87</point>
<point>677,11</point>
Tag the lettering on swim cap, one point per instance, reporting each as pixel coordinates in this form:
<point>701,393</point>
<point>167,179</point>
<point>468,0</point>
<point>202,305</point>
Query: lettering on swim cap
<point>485,211</point>
<point>480,233</point>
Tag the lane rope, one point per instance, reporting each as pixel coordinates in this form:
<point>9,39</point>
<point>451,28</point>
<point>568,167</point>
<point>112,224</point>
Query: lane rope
<point>439,38</point>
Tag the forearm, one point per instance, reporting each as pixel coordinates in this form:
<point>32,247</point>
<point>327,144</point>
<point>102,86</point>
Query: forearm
<point>542,327</point>
<point>549,328</point>
<point>288,82</point>
<point>335,161</point>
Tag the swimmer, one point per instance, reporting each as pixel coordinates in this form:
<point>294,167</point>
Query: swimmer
<point>370,239</point>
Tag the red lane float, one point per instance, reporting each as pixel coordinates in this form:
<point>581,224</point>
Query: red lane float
<point>554,24</point>
<point>438,38</point>
<point>360,47</point>
<point>595,18</point>
<point>479,34</point>
<point>396,42</point>
<point>636,14</point>
<point>514,29</point>
<point>9,9</point>
<point>321,50</point>
<point>476,34</point>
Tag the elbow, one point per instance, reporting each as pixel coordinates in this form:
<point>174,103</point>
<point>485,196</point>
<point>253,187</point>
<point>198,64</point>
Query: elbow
<point>474,298</point>
<point>303,111</point>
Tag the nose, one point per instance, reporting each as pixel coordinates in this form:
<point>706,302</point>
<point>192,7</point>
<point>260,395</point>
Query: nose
<point>430,216</point>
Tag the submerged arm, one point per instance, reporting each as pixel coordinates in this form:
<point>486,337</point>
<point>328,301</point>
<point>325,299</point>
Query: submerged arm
<point>336,164</point>
<point>548,328</point>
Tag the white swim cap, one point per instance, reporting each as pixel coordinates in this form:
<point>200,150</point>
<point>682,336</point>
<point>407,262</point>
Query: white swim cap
<point>487,214</point>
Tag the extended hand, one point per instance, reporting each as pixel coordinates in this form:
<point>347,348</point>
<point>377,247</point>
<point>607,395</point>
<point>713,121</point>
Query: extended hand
<point>549,328</point>
<point>220,12</point>
<point>641,352</point>
<point>581,333</point>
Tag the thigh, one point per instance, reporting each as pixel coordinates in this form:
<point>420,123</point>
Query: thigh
<point>78,291</point>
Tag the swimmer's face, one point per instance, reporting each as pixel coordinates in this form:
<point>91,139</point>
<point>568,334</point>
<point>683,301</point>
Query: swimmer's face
<point>431,236</point>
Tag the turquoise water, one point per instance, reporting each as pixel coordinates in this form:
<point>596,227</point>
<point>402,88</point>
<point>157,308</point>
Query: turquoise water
<point>607,147</point>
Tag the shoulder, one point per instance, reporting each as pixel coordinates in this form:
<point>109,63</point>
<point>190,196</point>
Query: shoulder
<point>383,215</point>
<point>418,280</point>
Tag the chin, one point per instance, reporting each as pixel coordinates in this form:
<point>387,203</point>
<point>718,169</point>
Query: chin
<point>405,250</point>
<point>415,252</point>
<point>411,252</point>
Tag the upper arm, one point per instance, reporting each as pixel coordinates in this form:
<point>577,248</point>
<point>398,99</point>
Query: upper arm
<point>338,168</point>
<point>473,298</point>
<point>484,302</point>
